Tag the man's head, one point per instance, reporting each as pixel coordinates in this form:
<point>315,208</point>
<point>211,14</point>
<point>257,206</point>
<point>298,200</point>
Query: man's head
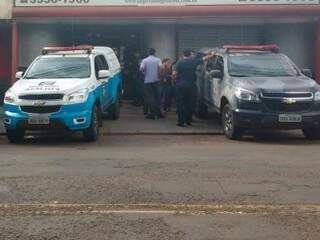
<point>187,53</point>
<point>152,51</point>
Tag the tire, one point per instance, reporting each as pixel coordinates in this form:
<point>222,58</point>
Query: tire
<point>231,131</point>
<point>311,133</point>
<point>15,136</point>
<point>201,110</point>
<point>114,111</point>
<point>91,134</point>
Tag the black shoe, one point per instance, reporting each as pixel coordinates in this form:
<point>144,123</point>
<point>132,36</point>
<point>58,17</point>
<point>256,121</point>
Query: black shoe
<point>150,117</point>
<point>180,125</point>
<point>189,124</point>
<point>161,116</point>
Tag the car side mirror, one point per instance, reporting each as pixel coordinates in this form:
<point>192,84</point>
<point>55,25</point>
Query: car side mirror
<point>307,72</point>
<point>104,74</point>
<point>19,75</point>
<point>216,74</point>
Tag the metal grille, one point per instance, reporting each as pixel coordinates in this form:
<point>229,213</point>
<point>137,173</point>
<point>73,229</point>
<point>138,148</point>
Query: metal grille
<point>276,105</point>
<point>42,109</point>
<point>197,37</point>
<point>288,95</point>
<point>42,97</point>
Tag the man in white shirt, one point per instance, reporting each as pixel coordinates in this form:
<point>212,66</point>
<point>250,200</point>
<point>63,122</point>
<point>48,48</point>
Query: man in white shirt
<point>151,68</point>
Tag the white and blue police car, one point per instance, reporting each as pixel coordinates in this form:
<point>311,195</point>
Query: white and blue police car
<point>66,88</point>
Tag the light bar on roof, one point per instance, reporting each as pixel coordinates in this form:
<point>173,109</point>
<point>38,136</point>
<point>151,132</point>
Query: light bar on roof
<point>272,48</point>
<point>47,50</point>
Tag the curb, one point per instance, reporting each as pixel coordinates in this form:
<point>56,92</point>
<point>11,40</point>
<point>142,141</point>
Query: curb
<point>152,134</point>
<point>161,133</point>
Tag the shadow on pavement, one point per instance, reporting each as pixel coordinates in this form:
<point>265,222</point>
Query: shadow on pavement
<point>279,137</point>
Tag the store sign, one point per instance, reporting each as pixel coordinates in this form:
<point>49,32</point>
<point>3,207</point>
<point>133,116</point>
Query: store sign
<point>67,3</point>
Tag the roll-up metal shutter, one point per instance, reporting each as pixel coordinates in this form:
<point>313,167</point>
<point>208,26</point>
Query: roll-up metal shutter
<point>196,37</point>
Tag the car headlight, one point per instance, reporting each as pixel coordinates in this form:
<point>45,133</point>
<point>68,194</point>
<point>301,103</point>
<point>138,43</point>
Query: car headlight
<point>246,95</point>
<point>10,97</point>
<point>317,96</point>
<point>78,97</point>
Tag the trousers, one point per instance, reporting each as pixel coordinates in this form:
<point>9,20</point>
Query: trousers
<point>184,98</point>
<point>153,97</point>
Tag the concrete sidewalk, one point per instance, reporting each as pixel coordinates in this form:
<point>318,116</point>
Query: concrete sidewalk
<point>132,121</point>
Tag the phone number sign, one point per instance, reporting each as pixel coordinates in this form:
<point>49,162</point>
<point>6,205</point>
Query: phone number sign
<point>67,3</point>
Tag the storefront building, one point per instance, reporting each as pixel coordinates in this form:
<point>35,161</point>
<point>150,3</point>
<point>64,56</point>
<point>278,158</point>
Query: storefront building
<point>133,26</point>
<point>5,45</point>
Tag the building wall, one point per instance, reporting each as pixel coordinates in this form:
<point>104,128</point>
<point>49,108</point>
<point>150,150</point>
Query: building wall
<point>295,40</point>
<point>33,37</point>
<point>6,9</point>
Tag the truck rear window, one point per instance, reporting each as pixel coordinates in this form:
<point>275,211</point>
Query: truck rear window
<point>59,67</point>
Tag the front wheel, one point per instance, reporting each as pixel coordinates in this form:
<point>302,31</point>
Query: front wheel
<point>15,136</point>
<point>91,134</point>
<point>311,133</point>
<point>231,131</point>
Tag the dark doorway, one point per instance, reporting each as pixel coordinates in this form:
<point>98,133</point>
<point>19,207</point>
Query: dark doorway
<point>127,41</point>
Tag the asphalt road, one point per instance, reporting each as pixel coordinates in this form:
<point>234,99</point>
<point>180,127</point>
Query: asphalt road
<point>161,187</point>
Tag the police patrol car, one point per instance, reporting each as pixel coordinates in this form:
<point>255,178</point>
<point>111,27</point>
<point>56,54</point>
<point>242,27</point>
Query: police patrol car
<point>257,87</point>
<point>65,88</point>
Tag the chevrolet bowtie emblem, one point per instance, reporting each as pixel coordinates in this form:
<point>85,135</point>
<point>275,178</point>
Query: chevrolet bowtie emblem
<point>289,100</point>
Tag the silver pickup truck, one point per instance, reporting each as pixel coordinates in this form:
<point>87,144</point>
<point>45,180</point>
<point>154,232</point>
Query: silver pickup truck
<point>256,87</point>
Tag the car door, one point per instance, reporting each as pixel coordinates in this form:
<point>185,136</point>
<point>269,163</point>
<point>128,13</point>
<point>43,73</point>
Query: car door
<point>217,80</point>
<point>101,64</point>
<point>208,82</point>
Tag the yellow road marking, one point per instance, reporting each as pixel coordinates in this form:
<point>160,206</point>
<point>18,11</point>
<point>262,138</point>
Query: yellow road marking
<point>81,209</point>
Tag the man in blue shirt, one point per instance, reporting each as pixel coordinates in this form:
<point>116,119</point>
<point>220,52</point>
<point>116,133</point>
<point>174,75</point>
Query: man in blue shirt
<point>151,68</point>
<point>185,74</point>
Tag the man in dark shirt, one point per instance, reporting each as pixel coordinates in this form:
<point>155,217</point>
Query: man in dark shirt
<point>185,74</point>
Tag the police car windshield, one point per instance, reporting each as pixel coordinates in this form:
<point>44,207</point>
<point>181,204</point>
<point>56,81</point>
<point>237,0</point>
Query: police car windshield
<point>260,65</point>
<point>59,67</point>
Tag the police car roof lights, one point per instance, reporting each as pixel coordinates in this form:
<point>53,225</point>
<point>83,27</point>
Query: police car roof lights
<point>242,48</point>
<point>86,48</point>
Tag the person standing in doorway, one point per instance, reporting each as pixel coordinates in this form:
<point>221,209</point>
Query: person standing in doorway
<point>137,81</point>
<point>151,68</point>
<point>167,87</point>
<point>185,75</point>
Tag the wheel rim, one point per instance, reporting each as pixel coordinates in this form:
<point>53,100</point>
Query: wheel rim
<point>228,124</point>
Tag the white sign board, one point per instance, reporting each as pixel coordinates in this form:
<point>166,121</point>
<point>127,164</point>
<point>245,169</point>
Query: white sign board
<point>67,3</point>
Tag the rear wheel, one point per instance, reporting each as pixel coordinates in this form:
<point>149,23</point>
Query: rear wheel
<point>15,136</point>
<point>91,134</point>
<point>311,133</point>
<point>114,111</point>
<point>231,131</point>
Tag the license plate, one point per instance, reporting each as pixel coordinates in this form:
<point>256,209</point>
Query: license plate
<point>286,118</point>
<point>38,120</point>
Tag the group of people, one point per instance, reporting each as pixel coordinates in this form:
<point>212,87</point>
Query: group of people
<point>165,79</point>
